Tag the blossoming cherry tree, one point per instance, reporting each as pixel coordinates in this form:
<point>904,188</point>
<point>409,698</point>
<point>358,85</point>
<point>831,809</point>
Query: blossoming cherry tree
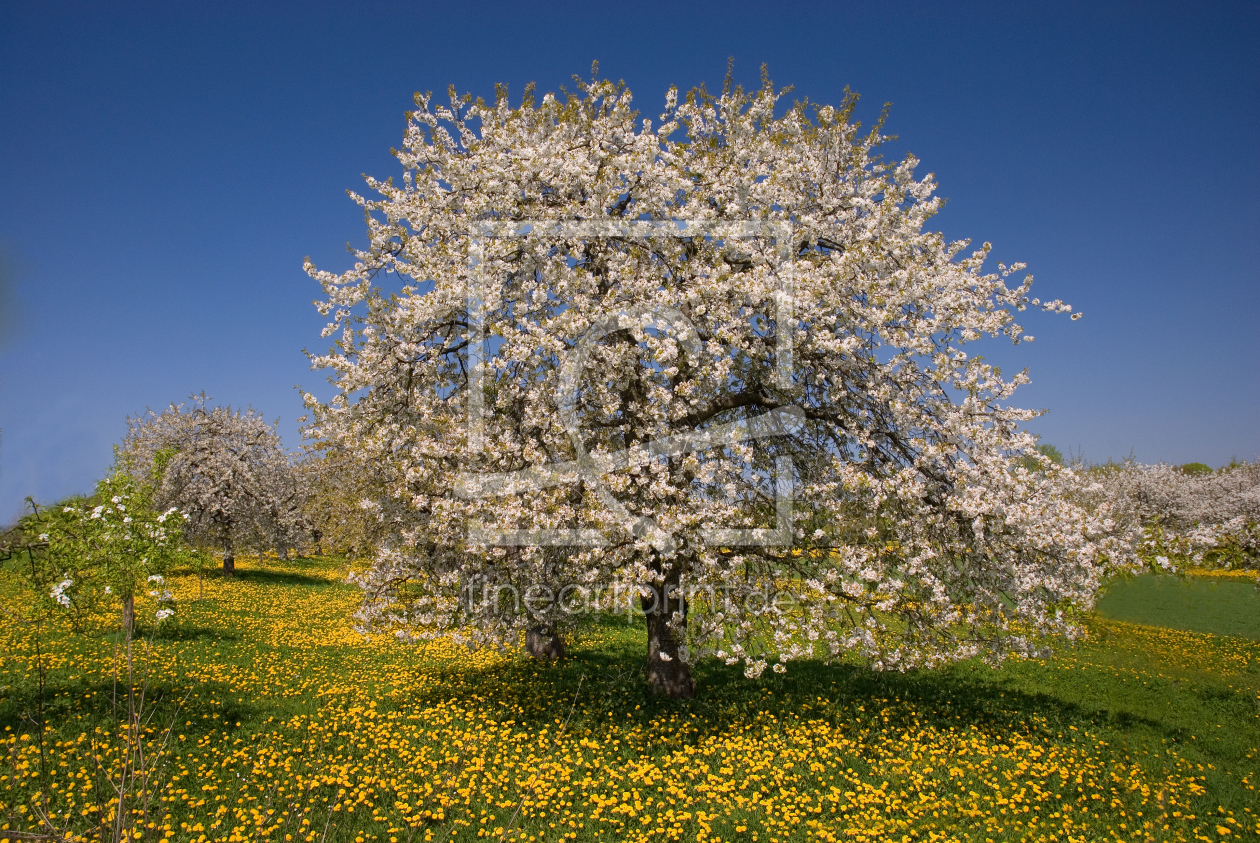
<point>715,362</point>
<point>226,469</point>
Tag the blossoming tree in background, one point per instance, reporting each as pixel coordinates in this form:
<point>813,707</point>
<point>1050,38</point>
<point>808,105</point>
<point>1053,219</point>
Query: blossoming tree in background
<point>226,469</point>
<point>715,363</point>
<point>340,501</point>
<point>1189,513</point>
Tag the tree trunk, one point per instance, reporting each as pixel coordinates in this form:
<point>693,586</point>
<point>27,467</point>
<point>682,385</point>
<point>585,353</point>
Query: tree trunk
<point>129,616</point>
<point>542,642</point>
<point>670,678</point>
<point>229,560</point>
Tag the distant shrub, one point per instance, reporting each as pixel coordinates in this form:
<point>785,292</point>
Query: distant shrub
<point>1049,451</point>
<point>1052,452</point>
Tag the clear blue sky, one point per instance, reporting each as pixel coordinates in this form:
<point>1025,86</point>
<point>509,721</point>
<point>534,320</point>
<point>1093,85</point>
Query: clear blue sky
<point>165,168</point>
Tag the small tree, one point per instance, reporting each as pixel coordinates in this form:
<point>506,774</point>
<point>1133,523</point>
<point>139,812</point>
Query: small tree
<point>84,554</point>
<point>104,549</point>
<point>226,469</point>
<point>711,363</point>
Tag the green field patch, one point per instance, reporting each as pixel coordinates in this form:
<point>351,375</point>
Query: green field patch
<point>1193,604</point>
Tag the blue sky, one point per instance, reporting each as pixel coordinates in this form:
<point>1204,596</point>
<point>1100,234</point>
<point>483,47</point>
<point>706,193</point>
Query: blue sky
<point>164,169</point>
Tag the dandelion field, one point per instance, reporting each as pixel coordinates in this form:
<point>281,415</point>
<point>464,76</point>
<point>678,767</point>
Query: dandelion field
<point>266,717</point>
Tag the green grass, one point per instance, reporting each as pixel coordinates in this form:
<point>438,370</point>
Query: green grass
<point>1194,604</point>
<point>279,708</point>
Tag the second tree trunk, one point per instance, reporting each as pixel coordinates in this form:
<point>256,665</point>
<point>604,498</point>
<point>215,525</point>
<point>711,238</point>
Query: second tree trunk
<point>667,673</point>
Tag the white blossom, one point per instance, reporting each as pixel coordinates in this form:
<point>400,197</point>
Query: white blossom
<point>1200,516</point>
<point>59,592</point>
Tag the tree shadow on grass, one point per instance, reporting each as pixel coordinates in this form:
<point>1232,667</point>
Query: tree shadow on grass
<point>178,630</point>
<point>287,571</point>
<point>271,576</point>
<point>189,632</point>
<point>71,705</point>
<point>601,687</point>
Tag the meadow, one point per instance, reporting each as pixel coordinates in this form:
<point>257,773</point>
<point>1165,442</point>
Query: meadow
<point>266,717</point>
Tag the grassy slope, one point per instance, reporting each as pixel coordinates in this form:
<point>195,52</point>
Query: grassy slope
<point>290,724</point>
<point>1195,604</point>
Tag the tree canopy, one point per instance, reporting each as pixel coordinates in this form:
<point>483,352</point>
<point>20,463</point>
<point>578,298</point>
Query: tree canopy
<point>225,469</point>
